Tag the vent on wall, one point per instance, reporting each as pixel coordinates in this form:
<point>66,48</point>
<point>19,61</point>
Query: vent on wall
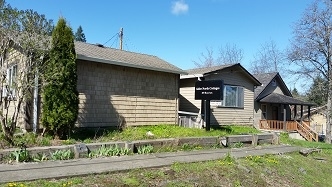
<point>274,82</point>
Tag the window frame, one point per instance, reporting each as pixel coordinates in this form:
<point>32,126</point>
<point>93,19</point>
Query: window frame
<point>264,113</point>
<point>10,82</point>
<point>239,100</point>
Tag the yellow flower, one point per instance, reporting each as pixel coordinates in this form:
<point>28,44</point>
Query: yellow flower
<point>11,184</point>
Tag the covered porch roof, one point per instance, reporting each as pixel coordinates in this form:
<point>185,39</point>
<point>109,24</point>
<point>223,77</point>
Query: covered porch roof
<point>283,99</point>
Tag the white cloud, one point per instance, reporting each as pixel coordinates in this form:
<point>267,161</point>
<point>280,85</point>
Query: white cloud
<point>180,7</point>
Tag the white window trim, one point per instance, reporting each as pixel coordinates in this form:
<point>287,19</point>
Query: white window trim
<point>11,76</point>
<point>221,103</point>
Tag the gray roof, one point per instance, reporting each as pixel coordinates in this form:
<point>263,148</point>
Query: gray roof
<point>207,69</point>
<point>265,79</point>
<point>98,53</point>
<point>283,99</point>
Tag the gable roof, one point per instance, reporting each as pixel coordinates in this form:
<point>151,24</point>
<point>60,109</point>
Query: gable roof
<point>201,72</point>
<point>266,79</point>
<point>98,53</point>
<point>102,54</point>
<point>283,99</point>
<point>206,70</point>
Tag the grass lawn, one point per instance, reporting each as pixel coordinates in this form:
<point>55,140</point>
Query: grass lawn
<point>269,170</point>
<point>130,133</point>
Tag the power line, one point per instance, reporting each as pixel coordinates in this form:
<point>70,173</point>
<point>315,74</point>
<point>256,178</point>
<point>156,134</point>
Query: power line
<point>116,40</point>
<point>111,38</point>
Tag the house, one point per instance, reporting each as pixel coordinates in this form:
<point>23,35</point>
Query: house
<point>276,109</point>
<point>120,88</point>
<point>237,105</point>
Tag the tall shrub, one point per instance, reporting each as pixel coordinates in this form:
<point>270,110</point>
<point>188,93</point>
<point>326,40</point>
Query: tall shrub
<point>60,96</point>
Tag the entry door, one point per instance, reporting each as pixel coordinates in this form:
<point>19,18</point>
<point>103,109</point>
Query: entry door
<point>275,112</point>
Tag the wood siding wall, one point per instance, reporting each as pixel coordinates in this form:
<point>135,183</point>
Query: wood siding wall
<point>268,90</point>
<point>187,96</point>
<point>110,95</point>
<point>238,116</point>
<point>24,120</point>
<point>222,115</point>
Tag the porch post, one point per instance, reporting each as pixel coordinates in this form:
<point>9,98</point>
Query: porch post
<point>309,114</point>
<point>301,113</point>
<point>295,111</point>
<point>285,128</point>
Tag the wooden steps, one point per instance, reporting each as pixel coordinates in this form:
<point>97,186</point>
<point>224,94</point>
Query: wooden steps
<point>307,132</point>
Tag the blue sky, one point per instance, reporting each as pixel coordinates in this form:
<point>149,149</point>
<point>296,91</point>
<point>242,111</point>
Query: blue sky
<point>178,31</point>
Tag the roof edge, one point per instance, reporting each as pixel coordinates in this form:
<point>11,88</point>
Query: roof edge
<point>83,57</point>
<point>189,76</point>
<point>246,71</point>
<point>283,84</point>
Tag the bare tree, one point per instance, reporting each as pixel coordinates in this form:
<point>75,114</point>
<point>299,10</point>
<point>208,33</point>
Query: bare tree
<point>228,54</point>
<point>268,59</point>
<point>311,49</point>
<point>23,41</point>
<point>206,60</point>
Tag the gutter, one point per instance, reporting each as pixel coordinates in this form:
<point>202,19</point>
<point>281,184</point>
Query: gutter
<point>83,57</point>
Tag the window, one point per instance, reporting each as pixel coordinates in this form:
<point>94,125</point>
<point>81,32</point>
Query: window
<point>10,88</point>
<point>264,110</point>
<point>233,97</point>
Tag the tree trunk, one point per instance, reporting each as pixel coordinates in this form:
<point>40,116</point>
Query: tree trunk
<point>329,101</point>
<point>328,114</point>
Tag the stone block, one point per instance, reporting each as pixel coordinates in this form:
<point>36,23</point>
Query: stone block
<point>81,150</point>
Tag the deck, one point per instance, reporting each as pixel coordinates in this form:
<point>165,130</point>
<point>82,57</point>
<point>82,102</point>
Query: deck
<point>302,127</point>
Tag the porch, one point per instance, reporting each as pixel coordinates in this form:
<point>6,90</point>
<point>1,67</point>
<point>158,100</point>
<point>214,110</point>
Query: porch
<point>284,113</point>
<point>302,127</point>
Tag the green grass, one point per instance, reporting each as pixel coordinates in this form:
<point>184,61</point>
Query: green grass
<point>284,138</point>
<point>269,170</point>
<point>173,131</point>
<point>129,134</point>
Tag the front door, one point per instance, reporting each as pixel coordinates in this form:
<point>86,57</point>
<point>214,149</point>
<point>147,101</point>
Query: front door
<point>275,112</point>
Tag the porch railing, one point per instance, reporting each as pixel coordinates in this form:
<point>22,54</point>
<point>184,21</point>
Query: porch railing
<point>307,132</point>
<point>301,127</point>
<point>278,125</point>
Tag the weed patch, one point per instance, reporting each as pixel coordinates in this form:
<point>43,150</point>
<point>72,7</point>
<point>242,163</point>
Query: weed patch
<point>106,151</point>
<point>145,149</point>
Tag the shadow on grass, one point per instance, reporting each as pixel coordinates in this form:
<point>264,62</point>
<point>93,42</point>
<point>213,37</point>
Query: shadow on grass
<point>227,129</point>
<point>92,133</point>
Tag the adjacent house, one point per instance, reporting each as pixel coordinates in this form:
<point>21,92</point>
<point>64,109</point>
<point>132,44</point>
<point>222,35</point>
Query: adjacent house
<point>237,105</point>
<point>276,109</point>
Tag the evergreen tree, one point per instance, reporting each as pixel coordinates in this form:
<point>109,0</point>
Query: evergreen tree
<point>79,35</point>
<point>318,91</point>
<point>60,96</point>
<point>295,93</point>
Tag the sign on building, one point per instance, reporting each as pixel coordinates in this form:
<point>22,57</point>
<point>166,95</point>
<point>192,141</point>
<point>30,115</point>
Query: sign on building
<point>209,90</point>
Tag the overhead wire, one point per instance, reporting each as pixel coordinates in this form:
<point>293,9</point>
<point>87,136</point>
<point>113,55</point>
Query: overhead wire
<point>116,40</point>
<point>111,38</point>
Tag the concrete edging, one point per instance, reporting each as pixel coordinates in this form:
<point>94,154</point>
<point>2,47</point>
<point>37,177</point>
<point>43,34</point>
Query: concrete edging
<point>82,149</point>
